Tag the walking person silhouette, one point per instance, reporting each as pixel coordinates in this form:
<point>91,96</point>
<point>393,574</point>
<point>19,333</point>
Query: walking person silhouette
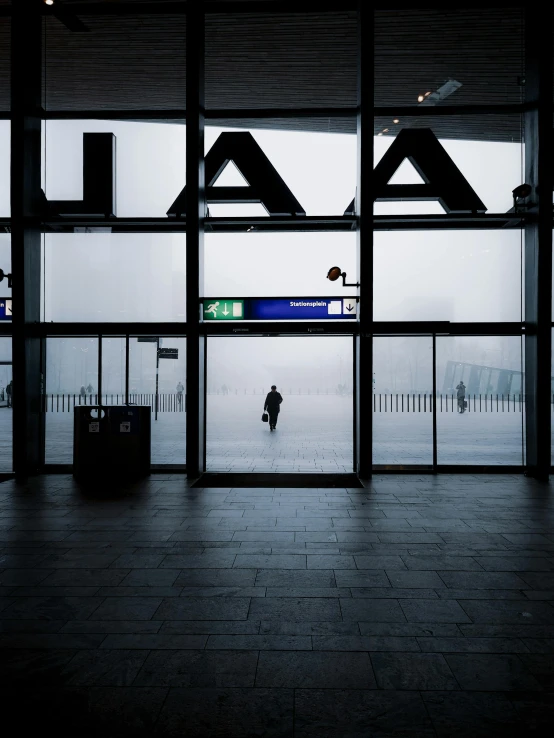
<point>272,406</point>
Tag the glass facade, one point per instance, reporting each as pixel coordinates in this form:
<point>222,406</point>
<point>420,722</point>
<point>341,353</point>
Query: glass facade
<point>448,268</point>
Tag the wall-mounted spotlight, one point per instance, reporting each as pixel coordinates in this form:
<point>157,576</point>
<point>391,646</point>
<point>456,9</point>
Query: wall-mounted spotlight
<point>9,277</point>
<point>335,272</point>
<point>520,193</point>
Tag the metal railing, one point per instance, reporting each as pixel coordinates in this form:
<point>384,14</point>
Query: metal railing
<point>408,402</point>
<point>168,402</point>
<point>422,402</point>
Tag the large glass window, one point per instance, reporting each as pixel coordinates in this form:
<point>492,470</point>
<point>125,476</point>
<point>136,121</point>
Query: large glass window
<point>71,379</point>
<point>318,168</point>
<point>460,276</point>
<point>278,264</point>
<point>402,400</point>
<point>491,164</point>
<point>480,412</point>
<point>149,163</point>
<point>157,377</point>
<point>6,392</point>
<point>107,277</point>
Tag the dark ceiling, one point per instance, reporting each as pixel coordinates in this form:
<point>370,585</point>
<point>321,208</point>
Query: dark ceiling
<point>134,61</point>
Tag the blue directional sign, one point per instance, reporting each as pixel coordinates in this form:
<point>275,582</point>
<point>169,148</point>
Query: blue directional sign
<point>291,308</point>
<point>5,308</point>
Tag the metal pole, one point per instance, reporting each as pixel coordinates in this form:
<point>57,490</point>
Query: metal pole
<point>434,402</point>
<point>127,369</point>
<point>157,372</point>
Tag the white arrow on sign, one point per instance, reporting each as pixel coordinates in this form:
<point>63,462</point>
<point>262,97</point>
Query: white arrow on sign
<point>225,311</point>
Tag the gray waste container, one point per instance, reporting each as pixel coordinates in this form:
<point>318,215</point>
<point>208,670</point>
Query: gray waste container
<point>111,441</point>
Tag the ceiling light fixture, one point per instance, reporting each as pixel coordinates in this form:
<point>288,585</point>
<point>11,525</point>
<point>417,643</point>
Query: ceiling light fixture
<point>396,120</point>
<point>432,98</point>
<point>49,2</point>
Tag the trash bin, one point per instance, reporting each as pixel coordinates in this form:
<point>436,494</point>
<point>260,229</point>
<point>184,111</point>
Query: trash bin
<point>111,441</point>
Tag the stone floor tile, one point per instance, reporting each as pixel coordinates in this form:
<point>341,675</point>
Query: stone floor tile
<point>33,667</point>
<point>364,643</point>
<point>138,577</point>
<point>86,577</point>
<point>226,712</point>
<point>52,608</point>
<point>472,645</point>
<point>352,713</point>
<point>379,562</point>
<point>433,611</point>
<point>309,669</point>
<point>103,668</point>
<point>367,578</point>
<point>297,578</point>
<point>365,609</point>
<point>330,562</point>
<point>414,579</point>
<point>198,669</point>
<point>260,642</point>
<point>274,561</point>
<point>127,608</point>
<point>472,715</point>
<point>290,609</point>
<point>216,578</point>
<point>421,671</point>
<point>507,611</point>
<point>491,672</point>
<point>482,580</point>
<point>203,608</point>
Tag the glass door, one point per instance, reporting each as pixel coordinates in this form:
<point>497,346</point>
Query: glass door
<point>314,428</point>
<point>402,401</point>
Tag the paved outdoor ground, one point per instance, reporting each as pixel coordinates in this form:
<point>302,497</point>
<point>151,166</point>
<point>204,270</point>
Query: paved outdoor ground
<point>418,607</point>
<point>314,434</point>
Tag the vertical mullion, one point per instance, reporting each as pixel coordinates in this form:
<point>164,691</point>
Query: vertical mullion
<point>364,211</point>
<point>538,237</point>
<point>435,455</point>
<point>99,384</point>
<point>25,193</point>
<point>195,214</point>
<point>127,369</point>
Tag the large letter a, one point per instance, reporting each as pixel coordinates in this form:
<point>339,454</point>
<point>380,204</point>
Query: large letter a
<point>265,185</point>
<point>442,179</point>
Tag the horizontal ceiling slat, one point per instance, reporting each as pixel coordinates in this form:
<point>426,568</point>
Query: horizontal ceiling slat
<point>271,60</point>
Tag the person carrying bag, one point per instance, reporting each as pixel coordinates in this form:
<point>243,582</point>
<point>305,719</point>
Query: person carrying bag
<point>272,403</point>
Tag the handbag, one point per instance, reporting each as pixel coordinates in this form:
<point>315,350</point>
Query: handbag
<point>265,417</point>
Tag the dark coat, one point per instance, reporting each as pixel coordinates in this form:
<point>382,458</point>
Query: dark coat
<point>272,401</point>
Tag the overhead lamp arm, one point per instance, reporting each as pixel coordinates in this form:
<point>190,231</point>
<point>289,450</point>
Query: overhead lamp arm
<point>348,284</point>
<point>335,272</point>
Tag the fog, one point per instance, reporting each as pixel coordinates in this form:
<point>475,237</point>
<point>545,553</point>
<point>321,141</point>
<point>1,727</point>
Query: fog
<point>437,275</point>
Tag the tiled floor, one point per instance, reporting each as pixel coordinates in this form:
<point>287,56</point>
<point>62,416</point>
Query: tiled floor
<point>418,607</point>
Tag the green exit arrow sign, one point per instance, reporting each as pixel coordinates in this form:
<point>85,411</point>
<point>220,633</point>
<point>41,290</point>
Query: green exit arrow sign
<point>221,309</point>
